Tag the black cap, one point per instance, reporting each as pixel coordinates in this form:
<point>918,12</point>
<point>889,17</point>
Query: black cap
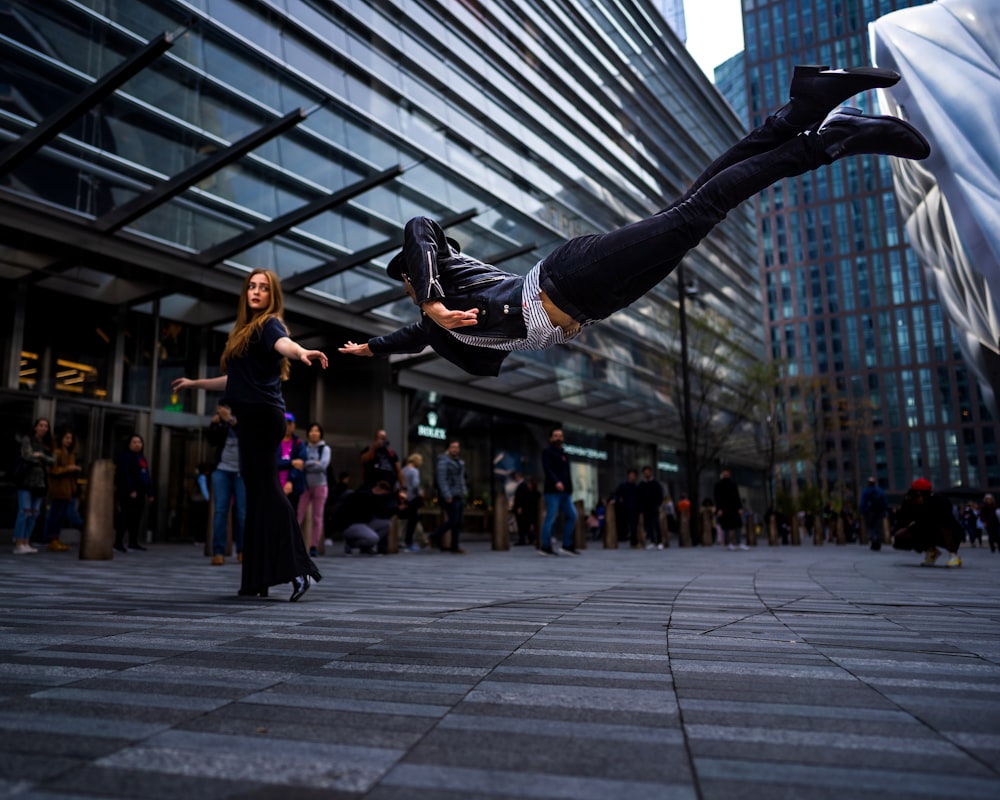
<point>396,266</point>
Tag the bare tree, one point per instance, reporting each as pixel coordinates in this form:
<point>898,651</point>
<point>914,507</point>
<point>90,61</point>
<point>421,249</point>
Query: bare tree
<point>721,387</point>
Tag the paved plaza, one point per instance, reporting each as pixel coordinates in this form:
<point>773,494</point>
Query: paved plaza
<point>683,674</point>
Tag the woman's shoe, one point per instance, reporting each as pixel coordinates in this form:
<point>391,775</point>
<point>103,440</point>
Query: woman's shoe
<point>300,585</point>
<point>57,547</point>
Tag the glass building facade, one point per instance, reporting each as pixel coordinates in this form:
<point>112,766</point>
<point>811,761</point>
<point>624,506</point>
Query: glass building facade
<point>875,380</point>
<point>152,152</point>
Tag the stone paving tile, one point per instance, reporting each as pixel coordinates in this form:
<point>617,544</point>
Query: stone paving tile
<point>781,673</point>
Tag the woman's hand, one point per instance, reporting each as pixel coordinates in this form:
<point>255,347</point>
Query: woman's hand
<point>449,318</point>
<point>307,357</point>
<point>183,383</point>
<point>355,349</point>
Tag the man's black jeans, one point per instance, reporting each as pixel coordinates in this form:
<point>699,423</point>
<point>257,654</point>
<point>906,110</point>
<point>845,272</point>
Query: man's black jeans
<point>591,277</point>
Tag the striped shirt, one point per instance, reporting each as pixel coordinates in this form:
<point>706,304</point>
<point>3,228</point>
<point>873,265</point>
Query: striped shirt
<point>542,334</point>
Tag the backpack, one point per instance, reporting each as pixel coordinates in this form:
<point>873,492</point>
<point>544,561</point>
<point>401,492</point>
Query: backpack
<point>20,467</point>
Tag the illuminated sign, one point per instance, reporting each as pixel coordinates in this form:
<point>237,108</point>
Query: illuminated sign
<point>431,429</point>
<point>586,452</point>
<point>666,466</point>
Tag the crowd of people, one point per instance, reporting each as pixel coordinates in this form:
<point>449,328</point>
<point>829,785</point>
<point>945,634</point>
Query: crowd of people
<point>541,510</point>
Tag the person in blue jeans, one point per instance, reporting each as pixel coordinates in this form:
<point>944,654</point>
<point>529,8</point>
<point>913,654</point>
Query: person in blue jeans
<point>558,495</point>
<point>475,315</point>
<point>30,480</point>
<point>228,490</point>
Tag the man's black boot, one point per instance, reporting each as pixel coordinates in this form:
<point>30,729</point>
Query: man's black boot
<point>816,90</point>
<point>848,132</point>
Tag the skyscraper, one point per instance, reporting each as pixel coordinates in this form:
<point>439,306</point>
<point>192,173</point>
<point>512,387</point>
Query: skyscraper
<point>673,13</point>
<point>874,382</point>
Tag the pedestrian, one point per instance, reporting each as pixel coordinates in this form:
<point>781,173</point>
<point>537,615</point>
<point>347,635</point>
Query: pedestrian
<point>31,482</point>
<point>989,516</point>
<point>254,363</point>
<point>229,493</point>
<point>379,462</point>
<point>971,524</point>
<point>527,500</point>
<point>451,485</point>
<point>625,499</point>
<point>317,461</point>
<point>291,460</point>
<point>650,499</point>
<point>558,495</point>
<point>474,314</point>
<point>414,499</point>
<point>926,522</point>
<point>670,512</point>
<point>365,518</point>
<point>873,507</point>
<point>62,484</point>
<point>134,492</point>
<point>729,510</point>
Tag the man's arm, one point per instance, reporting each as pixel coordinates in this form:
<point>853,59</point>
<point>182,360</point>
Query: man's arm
<point>441,473</point>
<point>409,339</point>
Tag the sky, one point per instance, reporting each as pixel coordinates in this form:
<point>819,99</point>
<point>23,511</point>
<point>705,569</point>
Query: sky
<point>714,31</point>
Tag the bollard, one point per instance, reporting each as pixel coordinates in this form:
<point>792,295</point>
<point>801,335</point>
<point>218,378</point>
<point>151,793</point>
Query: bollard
<point>580,534</point>
<point>610,527</point>
<point>772,530</point>
<point>685,533</point>
<point>818,531</point>
<point>392,538</point>
<point>751,532</point>
<point>707,526</point>
<point>501,534</point>
<point>98,535</point>
<point>841,532</point>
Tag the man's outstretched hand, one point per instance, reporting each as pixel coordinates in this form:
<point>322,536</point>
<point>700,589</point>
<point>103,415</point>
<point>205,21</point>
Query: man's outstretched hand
<point>355,349</point>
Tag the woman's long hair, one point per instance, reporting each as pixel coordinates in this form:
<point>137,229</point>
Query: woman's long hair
<point>247,324</point>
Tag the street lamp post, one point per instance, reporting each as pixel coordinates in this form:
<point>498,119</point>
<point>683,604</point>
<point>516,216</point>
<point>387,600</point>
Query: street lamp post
<point>683,292</point>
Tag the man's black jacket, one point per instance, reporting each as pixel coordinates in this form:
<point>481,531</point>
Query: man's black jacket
<point>439,271</point>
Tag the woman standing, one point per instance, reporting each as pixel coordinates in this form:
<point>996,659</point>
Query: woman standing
<point>414,498</point>
<point>30,482</point>
<point>254,363</point>
<point>314,466</point>
<point>134,490</point>
<point>62,492</point>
